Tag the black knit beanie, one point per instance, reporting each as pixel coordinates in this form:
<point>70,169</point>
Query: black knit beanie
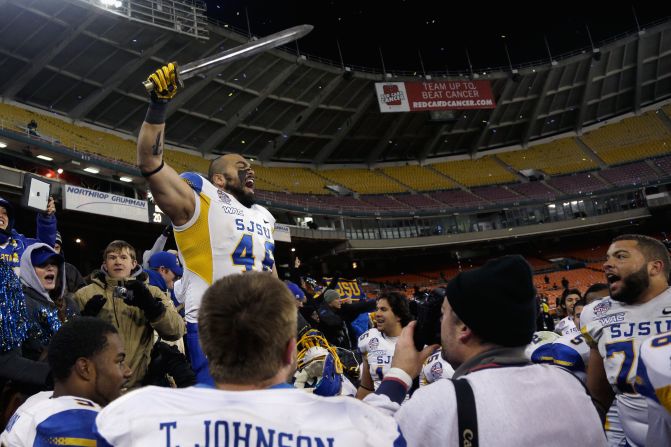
<point>497,301</point>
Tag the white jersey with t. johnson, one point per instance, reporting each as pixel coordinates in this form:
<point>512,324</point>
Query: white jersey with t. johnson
<point>222,238</point>
<point>618,330</point>
<point>378,350</point>
<point>435,368</point>
<point>272,417</point>
<point>653,380</point>
<point>43,420</point>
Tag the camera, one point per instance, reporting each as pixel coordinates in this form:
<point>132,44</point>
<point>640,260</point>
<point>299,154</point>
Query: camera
<point>123,293</point>
<point>427,311</point>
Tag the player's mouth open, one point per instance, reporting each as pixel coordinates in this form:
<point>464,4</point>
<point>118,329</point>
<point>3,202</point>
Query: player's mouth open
<point>611,278</point>
<point>249,183</point>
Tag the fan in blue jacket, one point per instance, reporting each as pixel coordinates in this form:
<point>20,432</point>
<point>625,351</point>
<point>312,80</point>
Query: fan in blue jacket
<point>13,243</point>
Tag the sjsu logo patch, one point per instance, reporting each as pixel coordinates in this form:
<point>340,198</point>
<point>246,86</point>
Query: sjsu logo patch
<point>373,344</point>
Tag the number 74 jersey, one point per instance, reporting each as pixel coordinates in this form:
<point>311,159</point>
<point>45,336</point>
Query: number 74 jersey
<point>618,330</point>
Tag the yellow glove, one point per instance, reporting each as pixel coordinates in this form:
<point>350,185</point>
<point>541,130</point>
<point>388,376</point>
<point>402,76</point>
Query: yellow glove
<point>165,81</point>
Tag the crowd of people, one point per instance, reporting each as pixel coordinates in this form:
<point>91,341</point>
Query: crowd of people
<point>207,346</point>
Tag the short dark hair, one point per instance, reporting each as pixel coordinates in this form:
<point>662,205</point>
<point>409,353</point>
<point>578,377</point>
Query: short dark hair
<point>244,323</point>
<point>80,337</point>
<point>399,305</point>
<point>596,287</point>
<point>215,167</point>
<point>580,302</point>
<point>567,292</point>
<point>652,249</point>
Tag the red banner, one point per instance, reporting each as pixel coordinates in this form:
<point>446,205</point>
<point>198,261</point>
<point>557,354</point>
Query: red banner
<point>434,95</point>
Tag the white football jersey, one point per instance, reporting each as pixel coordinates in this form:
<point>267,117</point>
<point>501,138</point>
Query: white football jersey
<point>222,238</point>
<point>435,368</point>
<point>617,330</point>
<point>378,350</point>
<point>613,426</point>
<point>43,420</point>
<point>566,326</point>
<point>539,350</point>
<point>571,352</point>
<point>209,417</point>
<point>653,380</point>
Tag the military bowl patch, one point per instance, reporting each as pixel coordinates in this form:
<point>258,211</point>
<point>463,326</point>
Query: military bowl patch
<point>437,371</point>
<point>601,308</point>
<point>373,344</point>
<point>224,197</point>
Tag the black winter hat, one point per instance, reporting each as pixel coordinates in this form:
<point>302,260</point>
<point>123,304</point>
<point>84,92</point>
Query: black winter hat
<point>497,301</point>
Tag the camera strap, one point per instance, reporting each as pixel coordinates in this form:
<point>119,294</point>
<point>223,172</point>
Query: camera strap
<point>467,417</point>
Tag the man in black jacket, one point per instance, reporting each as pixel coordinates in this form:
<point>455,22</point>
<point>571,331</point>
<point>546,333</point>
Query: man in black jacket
<point>336,316</point>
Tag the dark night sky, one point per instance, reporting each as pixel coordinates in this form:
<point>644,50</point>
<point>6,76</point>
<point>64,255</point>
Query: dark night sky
<point>441,30</point>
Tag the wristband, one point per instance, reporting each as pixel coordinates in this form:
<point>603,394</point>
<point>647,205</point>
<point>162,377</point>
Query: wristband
<point>399,375</point>
<point>149,174</point>
<point>156,112</point>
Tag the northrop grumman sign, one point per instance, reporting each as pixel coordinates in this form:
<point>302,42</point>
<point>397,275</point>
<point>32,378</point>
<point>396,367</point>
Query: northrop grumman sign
<point>282,233</point>
<point>86,200</point>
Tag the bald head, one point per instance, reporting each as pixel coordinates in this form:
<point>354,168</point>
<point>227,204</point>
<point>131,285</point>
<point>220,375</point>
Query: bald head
<point>219,164</point>
<point>233,174</point>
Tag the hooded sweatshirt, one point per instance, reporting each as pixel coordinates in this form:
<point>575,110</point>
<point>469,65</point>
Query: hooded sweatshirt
<point>13,244</point>
<point>46,312</point>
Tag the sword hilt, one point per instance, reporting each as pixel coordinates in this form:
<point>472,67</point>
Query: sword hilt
<point>149,86</point>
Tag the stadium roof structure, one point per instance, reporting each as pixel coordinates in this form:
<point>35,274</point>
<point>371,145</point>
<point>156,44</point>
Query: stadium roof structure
<point>78,60</point>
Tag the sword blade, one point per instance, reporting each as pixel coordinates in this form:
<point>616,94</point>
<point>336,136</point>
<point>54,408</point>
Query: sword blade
<point>248,49</point>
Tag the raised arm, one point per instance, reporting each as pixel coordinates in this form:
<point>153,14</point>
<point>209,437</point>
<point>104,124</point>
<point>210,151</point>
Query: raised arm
<point>170,192</point>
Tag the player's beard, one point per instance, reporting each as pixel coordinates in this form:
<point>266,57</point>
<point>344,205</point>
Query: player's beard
<point>238,190</point>
<point>633,286</point>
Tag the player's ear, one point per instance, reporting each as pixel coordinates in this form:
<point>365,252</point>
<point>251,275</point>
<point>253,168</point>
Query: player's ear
<point>218,179</point>
<point>656,267</point>
<point>84,368</point>
<point>290,352</point>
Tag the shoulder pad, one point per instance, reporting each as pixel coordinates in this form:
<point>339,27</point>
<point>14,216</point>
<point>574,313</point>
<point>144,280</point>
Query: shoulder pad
<point>194,180</point>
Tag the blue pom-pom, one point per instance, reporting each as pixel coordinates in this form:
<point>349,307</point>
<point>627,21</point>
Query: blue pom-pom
<point>13,313</point>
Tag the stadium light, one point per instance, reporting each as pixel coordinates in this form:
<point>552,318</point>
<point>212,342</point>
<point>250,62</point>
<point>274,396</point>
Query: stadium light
<point>59,170</point>
<point>126,179</point>
<point>44,157</point>
<point>92,170</point>
<point>3,145</point>
<point>111,3</point>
